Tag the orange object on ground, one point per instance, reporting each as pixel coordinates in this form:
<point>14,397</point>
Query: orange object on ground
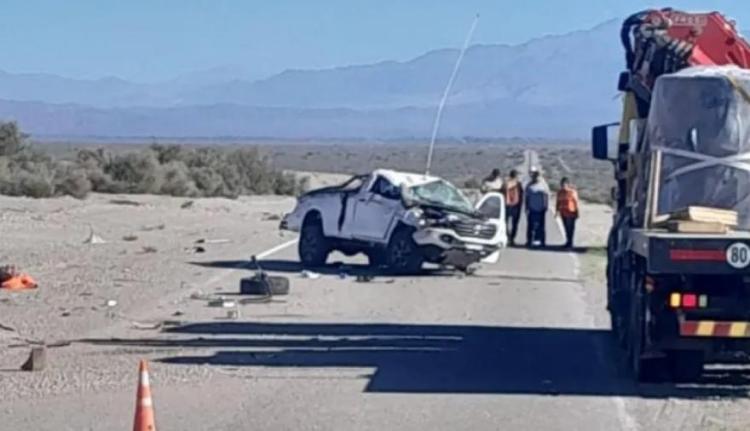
<point>144,405</point>
<point>567,202</point>
<point>19,282</point>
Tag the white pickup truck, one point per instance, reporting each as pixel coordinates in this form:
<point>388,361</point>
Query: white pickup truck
<point>399,220</point>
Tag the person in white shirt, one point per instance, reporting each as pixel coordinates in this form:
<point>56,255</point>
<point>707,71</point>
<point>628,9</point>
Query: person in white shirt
<point>493,183</point>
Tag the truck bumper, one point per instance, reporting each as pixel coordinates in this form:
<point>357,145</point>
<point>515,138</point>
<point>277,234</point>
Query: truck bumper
<point>715,338</point>
<point>444,246</point>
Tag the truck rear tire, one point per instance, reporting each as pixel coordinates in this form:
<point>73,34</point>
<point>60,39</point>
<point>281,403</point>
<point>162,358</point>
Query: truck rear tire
<point>313,246</point>
<point>644,368</point>
<point>686,365</point>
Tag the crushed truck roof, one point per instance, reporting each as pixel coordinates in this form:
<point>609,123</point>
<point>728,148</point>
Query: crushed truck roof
<point>404,178</point>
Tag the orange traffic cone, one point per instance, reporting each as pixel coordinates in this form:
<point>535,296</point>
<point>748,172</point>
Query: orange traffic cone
<point>144,405</point>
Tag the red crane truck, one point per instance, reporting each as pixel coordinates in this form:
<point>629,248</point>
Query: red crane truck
<point>678,300</point>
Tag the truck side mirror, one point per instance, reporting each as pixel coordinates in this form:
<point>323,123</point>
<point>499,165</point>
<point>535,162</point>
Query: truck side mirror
<point>600,142</point>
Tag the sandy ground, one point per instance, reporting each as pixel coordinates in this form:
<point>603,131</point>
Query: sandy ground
<point>144,267</point>
<point>521,345</point>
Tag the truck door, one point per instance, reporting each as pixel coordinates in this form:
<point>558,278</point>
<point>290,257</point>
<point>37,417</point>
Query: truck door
<point>492,206</point>
<point>375,211</point>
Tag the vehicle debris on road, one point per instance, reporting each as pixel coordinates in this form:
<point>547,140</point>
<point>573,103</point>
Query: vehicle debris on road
<point>309,274</point>
<point>213,241</point>
<point>12,279</point>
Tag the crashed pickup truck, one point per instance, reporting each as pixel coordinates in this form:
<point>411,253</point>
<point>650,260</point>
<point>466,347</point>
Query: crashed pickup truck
<point>399,220</point>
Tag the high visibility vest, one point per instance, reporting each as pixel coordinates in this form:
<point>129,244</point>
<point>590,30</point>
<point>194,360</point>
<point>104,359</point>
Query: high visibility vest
<point>512,193</point>
<point>567,202</point>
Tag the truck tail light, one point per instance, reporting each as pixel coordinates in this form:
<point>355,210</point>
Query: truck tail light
<point>687,300</point>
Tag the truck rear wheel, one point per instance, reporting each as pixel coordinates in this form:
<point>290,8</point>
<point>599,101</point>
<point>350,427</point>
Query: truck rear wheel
<point>645,368</point>
<point>313,245</point>
<point>686,365</point>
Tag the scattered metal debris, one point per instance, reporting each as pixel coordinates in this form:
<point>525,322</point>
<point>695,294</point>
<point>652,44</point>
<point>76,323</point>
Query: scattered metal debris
<point>199,295</point>
<point>146,326</point>
<point>148,249</point>
<point>125,202</point>
<point>213,241</point>
<point>150,228</point>
<point>270,217</point>
<point>94,238</point>
<point>309,274</point>
<point>7,328</point>
<point>221,302</point>
<point>37,359</point>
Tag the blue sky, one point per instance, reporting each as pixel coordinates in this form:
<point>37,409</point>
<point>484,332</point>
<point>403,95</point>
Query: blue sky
<point>153,40</point>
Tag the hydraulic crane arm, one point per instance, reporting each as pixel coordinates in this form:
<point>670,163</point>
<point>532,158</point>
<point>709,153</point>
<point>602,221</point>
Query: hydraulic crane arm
<point>664,41</point>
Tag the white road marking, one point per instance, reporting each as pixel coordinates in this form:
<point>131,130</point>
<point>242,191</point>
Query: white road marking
<point>560,226</point>
<point>262,255</point>
<point>276,249</point>
<point>627,421</point>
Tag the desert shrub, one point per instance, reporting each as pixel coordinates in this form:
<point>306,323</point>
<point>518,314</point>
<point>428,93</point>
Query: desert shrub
<point>472,183</point>
<point>12,141</point>
<point>71,180</point>
<point>159,169</point>
<point>135,172</point>
<point>176,180</point>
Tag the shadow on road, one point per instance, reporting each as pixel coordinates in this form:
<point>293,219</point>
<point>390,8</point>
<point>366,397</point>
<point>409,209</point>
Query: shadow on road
<point>427,358</point>
<point>291,266</point>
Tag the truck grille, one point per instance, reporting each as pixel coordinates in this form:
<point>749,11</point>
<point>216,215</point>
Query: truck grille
<point>475,230</point>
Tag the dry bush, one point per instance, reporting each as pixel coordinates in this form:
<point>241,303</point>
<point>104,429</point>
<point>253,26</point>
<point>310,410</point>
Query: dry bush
<point>159,169</point>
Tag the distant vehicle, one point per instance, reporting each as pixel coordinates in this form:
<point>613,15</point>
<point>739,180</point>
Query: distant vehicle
<point>399,220</point>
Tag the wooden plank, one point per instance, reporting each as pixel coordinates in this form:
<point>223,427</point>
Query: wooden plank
<point>706,214</point>
<point>687,226</point>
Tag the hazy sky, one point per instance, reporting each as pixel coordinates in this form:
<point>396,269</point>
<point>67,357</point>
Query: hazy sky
<point>152,40</point>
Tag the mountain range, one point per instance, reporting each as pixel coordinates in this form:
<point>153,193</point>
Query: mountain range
<point>553,86</point>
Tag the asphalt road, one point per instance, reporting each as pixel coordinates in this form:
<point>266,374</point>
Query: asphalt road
<point>522,345</point>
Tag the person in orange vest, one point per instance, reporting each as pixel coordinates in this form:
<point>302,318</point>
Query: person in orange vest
<point>513,192</point>
<point>567,209</point>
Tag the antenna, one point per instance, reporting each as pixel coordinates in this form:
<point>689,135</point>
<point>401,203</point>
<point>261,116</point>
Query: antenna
<point>439,115</point>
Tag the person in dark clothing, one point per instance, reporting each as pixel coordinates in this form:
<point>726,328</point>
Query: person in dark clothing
<point>513,194</point>
<point>536,199</point>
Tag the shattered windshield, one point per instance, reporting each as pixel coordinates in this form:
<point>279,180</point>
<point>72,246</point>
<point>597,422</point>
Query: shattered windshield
<point>443,194</point>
